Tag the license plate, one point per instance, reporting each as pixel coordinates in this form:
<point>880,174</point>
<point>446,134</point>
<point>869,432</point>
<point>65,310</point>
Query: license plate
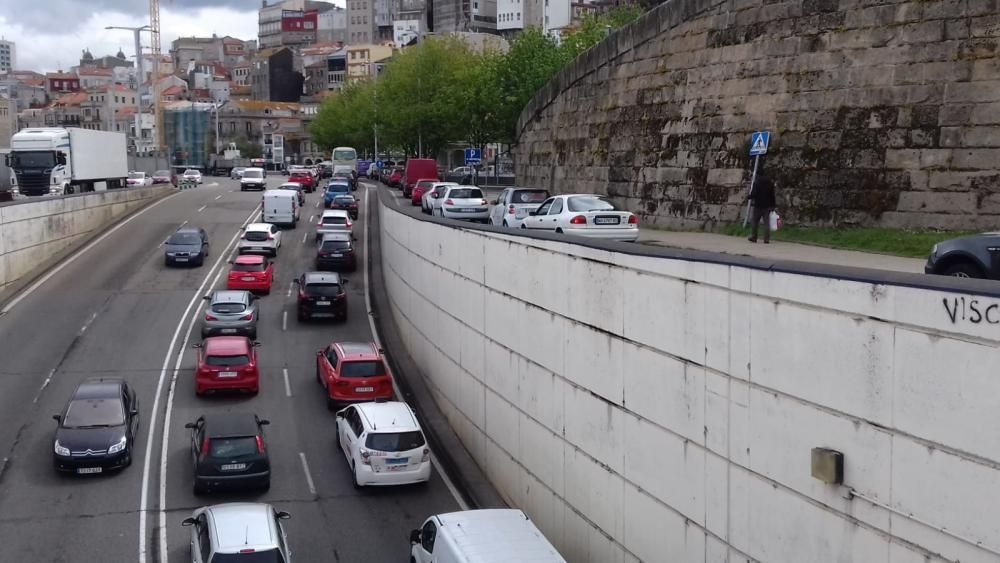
<point>607,221</point>
<point>234,466</point>
<point>229,331</point>
<point>180,259</point>
<point>337,255</point>
<point>364,389</point>
<point>227,374</point>
<point>247,278</point>
<point>322,303</point>
<point>469,210</point>
<point>396,461</point>
<point>88,470</point>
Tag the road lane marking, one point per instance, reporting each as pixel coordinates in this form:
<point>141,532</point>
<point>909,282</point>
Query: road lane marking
<point>33,287</point>
<point>291,285</point>
<point>378,342</point>
<point>309,477</point>
<point>202,208</point>
<point>151,433</point>
<point>218,197</point>
<point>44,385</point>
<point>87,324</point>
<point>284,321</point>
<point>288,385</point>
<point>317,205</point>
<point>311,217</point>
<point>305,235</point>
<point>182,224</point>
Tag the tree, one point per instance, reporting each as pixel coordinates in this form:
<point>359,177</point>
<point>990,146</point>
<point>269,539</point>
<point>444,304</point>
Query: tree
<point>533,59</point>
<point>248,148</point>
<point>595,27</point>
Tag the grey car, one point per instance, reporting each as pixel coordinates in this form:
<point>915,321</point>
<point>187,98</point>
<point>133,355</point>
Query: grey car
<point>188,245</point>
<point>976,256</point>
<point>230,313</point>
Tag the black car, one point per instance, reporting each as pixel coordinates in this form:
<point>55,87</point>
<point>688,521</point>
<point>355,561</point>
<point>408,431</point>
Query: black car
<point>976,256</point>
<point>347,203</point>
<point>188,245</point>
<point>335,251</point>
<point>322,295</point>
<point>229,452</point>
<point>97,428</point>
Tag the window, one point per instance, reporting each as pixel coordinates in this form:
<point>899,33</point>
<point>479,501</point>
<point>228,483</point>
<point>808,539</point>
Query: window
<point>427,536</point>
<point>395,441</point>
<point>557,207</point>
<point>204,543</point>
<point>362,369</point>
<point>331,355</point>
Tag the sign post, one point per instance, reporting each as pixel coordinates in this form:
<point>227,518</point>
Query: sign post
<point>759,141</point>
<point>473,156</point>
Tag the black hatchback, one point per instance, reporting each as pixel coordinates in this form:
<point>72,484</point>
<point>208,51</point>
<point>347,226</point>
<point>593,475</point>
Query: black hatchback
<point>322,295</point>
<point>97,428</point>
<point>229,452</point>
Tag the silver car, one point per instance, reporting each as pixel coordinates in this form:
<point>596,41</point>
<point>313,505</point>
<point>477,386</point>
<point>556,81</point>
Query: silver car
<point>230,313</point>
<point>237,173</point>
<point>463,202</point>
<point>238,531</point>
<point>334,221</point>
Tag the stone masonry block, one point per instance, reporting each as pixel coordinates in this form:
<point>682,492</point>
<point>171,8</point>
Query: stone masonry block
<point>972,92</point>
<point>935,201</point>
<point>976,159</point>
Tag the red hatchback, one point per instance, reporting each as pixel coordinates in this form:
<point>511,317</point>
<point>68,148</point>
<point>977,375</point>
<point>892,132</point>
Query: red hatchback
<point>419,190</point>
<point>352,372</point>
<point>251,273</point>
<point>227,363</point>
<point>305,178</point>
<point>395,178</point>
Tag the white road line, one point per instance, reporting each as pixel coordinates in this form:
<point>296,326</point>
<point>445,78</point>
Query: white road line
<point>311,217</point>
<point>378,342</point>
<point>305,235</point>
<point>202,208</point>
<point>309,477</point>
<point>151,433</point>
<point>291,285</point>
<point>284,321</point>
<point>87,324</point>
<point>182,224</point>
<point>44,385</point>
<point>33,287</point>
<point>317,205</point>
<point>288,385</point>
<point>218,197</point>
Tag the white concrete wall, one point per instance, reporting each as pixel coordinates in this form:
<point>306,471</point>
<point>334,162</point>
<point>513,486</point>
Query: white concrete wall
<point>34,232</point>
<point>657,410</point>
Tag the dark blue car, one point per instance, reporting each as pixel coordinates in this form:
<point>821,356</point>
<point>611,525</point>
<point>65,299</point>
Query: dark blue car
<point>334,189</point>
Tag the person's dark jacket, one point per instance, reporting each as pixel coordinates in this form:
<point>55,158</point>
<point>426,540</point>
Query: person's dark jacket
<point>763,193</point>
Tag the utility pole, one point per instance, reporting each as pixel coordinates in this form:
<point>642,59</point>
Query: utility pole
<point>140,71</point>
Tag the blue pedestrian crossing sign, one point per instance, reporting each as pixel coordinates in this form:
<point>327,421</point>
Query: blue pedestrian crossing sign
<point>379,164</point>
<point>758,142</point>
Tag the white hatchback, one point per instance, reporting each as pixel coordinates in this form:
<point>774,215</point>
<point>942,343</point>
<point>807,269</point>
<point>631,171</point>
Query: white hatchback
<point>383,444</point>
<point>434,196</point>
<point>260,237</point>
<point>586,215</point>
<point>334,221</point>
<point>238,531</point>
<point>464,202</point>
<point>513,204</point>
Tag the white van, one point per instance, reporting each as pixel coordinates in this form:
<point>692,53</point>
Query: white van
<point>281,207</point>
<point>476,536</point>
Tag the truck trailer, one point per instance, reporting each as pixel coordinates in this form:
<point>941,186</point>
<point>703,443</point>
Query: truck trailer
<point>57,161</point>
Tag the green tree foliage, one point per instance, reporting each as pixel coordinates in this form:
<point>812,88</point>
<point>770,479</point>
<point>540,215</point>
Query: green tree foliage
<point>248,148</point>
<point>594,28</point>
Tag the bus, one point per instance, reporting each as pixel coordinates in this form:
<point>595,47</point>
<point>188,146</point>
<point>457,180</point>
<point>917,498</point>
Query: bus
<point>345,158</point>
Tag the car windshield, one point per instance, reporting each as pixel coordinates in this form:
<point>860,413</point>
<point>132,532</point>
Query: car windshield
<point>136,175</point>
<point>590,203</point>
<point>466,193</point>
<point>334,220</point>
<point>425,184</point>
<point>331,245</point>
<point>345,154</point>
<point>269,556</point>
<point>251,174</point>
<point>258,267</point>
<point>34,160</point>
<point>233,447</point>
<point>161,173</point>
<point>362,369</point>
<point>191,172</point>
<point>83,413</point>
<point>228,308</point>
<point>184,238</point>
<point>343,200</point>
<point>529,196</point>
<point>395,441</point>
<point>225,361</point>
<point>322,289</point>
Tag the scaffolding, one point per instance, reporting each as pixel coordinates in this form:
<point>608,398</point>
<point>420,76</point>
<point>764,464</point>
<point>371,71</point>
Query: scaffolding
<point>188,133</point>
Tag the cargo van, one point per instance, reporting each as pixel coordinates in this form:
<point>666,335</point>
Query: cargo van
<point>478,536</point>
<point>281,207</point>
<point>418,169</point>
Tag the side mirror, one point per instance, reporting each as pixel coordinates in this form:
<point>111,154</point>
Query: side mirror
<point>296,281</point>
<point>283,515</point>
<point>61,158</point>
<point>57,418</point>
<point>264,422</point>
<point>134,412</point>
<point>188,522</point>
<point>340,415</point>
<point>495,202</point>
<point>532,213</point>
<point>319,353</point>
<point>207,297</point>
<point>414,536</point>
<point>344,281</point>
<point>197,345</point>
<point>255,343</point>
<point>191,425</point>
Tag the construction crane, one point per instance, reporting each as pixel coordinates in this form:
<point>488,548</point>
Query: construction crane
<point>154,27</point>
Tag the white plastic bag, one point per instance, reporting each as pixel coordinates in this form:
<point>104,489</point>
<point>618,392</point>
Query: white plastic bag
<point>775,220</point>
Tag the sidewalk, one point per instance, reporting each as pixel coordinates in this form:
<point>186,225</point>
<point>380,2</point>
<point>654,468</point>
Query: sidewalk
<point>778,250</point>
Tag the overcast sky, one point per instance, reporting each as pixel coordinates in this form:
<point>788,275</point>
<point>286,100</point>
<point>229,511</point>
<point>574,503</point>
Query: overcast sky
<point>50,34</point>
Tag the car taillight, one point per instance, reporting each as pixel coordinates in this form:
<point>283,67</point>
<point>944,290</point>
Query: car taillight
<point>633,220</point>
<point>204,446</point>
<point>260,444</point>
<point>365,457</point>
<point>302,295</point>
<point>512,210</point>
<point>247,317</point>
<point>426,457</point>
<point>210,317</point>
<point>449,202</point>
<point>482,202</point>
<point>342,383</point>
<point>578,220</point>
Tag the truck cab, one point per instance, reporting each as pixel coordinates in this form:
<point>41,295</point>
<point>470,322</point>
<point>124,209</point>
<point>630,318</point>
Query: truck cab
<point>57,161</point>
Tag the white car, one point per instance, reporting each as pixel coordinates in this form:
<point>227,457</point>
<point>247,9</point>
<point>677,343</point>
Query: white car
<point>236,531</point>
<point>513,204</point>
<point>434,196</point>
<point>383,444</point>
<point>252,179</point>
<point>260,237</point>
<point>334,221</point>
<point>139,179</point>
<point>587,215</point>
<point>192,174</point>
<point>463,202</point>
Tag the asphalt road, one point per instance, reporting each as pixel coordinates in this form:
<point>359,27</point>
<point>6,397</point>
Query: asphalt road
<point>115,310</point>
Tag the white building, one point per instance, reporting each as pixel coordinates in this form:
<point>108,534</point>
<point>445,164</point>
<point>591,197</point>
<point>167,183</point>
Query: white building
<point>510,15</point>
<point>331,26</point>
<point>557,15</point>
<point>8,56</point>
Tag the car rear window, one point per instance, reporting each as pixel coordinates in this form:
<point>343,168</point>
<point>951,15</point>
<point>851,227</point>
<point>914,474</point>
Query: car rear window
<point>395,441</point>
<point>94,412</point>
<point>529,196</point>
<point>226,361</point>
<point>269,556</point>
<point>136,175</point>
<point>335,245</point>
<point>334,220</point>
<point>232,447</point>
<point>338,188</point>
<point>590,203</point>
<point>225,308</point>
<point>466,193</point>
<point>362,369</point>
<point>248,267</point>
<point>322,289</point>
<point>343,200</point>
<point>255,235</point>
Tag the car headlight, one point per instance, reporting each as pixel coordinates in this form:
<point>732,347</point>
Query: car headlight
<point>115,448</point>
<point>171,254</point>
<point>934,251</point>
<point>60,449</point>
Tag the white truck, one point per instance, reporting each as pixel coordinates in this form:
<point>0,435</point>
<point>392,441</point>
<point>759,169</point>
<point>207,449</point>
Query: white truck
<point>57,161</point>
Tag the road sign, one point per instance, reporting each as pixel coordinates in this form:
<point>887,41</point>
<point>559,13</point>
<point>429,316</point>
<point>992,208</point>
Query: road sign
<point>758,142</point>
<point>473,156</point>
<point>379,164</point>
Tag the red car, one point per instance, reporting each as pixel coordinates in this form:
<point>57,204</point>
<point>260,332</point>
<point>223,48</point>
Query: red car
<point>305,178</point>
<point>251,273</point>
<point>352,372</point>
<point>395,178</point>
<point>227,363</point>
<point>419,190</point>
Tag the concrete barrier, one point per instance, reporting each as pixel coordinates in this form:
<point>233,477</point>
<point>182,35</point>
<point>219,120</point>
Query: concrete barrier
<point>643,405</point>
<point>32,232</point>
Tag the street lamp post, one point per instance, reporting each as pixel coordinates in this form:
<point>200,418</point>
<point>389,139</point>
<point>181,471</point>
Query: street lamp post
<point>139,67</point>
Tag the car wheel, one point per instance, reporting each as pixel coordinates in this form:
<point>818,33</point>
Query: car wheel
<point>559,231</point>
<point>505,223</point>
<point>354,476</point>
<point>252,335</point>
<point>964,270</point>
<point>128,459</point>
<point>331,404</point>
<point>523,226</point>
<point>266,486</point>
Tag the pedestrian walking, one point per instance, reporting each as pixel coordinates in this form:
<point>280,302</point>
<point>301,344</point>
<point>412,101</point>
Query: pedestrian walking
<point>762,198</point>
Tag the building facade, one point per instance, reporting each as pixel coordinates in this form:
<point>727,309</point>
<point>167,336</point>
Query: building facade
<point>8,120</point>
<point>361,22</point>
<point>332,26</point>
<point>60,83</point>
<point>274,77</point>
<point>361,60</point>
<point>8,56</point>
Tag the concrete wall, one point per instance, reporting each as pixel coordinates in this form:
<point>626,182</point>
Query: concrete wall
<point>35,231</point>
<point>881,112</point>
<point>642,408</point>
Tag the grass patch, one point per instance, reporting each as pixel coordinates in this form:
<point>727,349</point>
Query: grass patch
<point>897,242</point>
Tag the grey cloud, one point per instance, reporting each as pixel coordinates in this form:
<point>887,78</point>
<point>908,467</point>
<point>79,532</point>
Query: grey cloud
<point>41,15</point>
